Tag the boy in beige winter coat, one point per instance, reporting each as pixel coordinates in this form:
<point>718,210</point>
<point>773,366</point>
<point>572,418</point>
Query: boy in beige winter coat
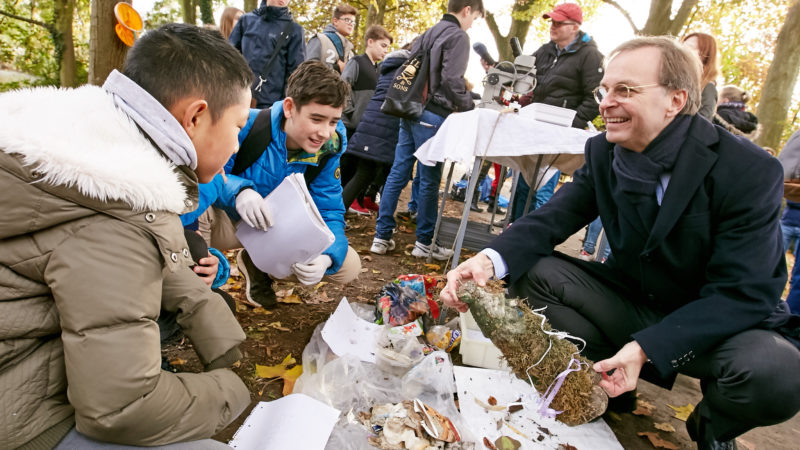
<point>92,250</point>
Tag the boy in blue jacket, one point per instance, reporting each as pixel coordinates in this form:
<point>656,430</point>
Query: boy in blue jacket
<point>306,137</point>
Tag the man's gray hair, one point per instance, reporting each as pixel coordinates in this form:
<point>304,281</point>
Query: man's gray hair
<point>680,67</point>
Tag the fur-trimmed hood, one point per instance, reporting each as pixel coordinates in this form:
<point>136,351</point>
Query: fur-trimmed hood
<point>78,138</point>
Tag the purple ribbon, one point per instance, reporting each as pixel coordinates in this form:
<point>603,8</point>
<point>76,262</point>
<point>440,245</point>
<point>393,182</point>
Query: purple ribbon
<point>548,396</point>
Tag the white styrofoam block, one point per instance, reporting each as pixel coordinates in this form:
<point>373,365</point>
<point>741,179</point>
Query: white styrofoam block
<point>475,348</point>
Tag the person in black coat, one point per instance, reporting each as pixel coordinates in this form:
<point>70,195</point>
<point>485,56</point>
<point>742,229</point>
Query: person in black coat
<point>696,271</point>
<point>256,34</point>
<point>732,114</point>
<point>372,145</point>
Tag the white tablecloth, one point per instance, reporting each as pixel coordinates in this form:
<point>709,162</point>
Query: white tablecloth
<point>517,140</point>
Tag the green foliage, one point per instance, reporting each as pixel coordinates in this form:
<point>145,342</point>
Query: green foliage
<point>163,12</point>
<point>27,47</point>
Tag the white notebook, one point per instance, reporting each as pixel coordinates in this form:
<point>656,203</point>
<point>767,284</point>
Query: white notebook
<point>298,234</point>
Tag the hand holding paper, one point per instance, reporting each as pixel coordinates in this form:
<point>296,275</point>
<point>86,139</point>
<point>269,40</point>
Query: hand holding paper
<point>253,210</point>
<point>312,272</point>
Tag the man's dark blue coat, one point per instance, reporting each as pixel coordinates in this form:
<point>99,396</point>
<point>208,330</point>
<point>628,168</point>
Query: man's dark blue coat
<point>713,260</point>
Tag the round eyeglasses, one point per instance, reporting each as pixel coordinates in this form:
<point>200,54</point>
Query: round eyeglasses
<point>619,91</point>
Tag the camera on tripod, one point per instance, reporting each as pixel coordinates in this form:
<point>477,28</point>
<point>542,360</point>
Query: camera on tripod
<point>506,82</point>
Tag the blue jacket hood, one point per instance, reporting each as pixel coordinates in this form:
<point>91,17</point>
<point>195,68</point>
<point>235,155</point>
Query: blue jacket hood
<point>273,12</point>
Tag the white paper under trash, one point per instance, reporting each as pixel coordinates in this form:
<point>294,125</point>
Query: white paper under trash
<point>294,421</point>
<point>346,333</point>
<point>298,234</point>
<point>477,383</point>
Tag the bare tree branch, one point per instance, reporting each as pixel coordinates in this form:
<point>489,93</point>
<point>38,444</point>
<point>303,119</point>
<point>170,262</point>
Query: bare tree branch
<point>681,17</point>
<point>47,26</point>
<point>624,14</point>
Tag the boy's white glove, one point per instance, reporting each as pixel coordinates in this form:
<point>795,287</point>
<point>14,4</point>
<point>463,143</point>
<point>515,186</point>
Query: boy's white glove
<point>253,210</point>
<point>312,272</point>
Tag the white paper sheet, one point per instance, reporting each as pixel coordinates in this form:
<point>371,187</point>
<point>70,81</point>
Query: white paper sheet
<point>294,421</point>
<point>506,388</point>
<point>346,333</point>
<point>298,235</point>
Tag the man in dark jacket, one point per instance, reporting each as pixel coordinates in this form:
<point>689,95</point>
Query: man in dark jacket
<point>256,34</point>
<point>696,271</point>
<point>448,44</point>
<point>568,67</point>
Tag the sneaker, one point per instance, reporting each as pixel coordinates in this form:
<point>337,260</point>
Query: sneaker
<point>586,256</point>
<point>381,246</point>
<point>355,208</point>
<point>258,285</point>
<point>370,204</point>
<point>422,251</point>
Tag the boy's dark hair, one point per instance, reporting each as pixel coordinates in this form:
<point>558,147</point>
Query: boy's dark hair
<point>314,81</point>
<point>179,60</point>
<point>455,6</point>
<point>344,9</point>
<point>377,32</point>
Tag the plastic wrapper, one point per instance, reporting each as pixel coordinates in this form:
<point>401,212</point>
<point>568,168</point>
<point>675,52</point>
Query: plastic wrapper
<point>397,353</point>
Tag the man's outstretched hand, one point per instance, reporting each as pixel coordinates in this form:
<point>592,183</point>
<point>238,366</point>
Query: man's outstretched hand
<point>626,365</point>
<point>479,268</point>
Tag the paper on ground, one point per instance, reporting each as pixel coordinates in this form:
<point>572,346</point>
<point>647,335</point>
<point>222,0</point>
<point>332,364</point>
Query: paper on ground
<point>294,421</point>
<point>506,388</point>
<point>346,333</point>
<point>298,235</point>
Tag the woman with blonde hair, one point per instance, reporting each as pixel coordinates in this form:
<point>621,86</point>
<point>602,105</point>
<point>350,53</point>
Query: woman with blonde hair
<point>706,48</point>
<point>228,20</point>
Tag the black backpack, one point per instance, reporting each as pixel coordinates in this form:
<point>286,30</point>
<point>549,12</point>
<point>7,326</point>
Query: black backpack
<point>258,139</point>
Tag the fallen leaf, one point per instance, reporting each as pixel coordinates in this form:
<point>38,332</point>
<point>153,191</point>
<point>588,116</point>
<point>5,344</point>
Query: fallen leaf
<point>324,297</point>
<point>644,408</point>
<point>664,427</point>
<point>656,440</point>
<point>433,266</point>
<point>507,443</point>
<point>178,362</point>
<point>367,258</point>
<point>289,378</point>
<point>294,298</point>
<point>277,370</point>
<point>614,416</point>
<point>261,311</point>
<point>682,412</point>
<point>278,326</point>
<point>376,271</point>
<point>492,401</point>
<point>284,292</point>
<point>409,246</point>
<point>364,270</point>
<point>488,443</point>
<point>319,285</point>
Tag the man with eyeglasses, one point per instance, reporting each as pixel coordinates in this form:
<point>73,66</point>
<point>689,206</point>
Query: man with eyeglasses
<point>693,284</point>
<point>569,66</point>
<point>332,46</point>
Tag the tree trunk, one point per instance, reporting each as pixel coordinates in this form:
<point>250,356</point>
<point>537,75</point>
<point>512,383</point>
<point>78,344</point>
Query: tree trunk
<point>659,19</point>
<point>250,5</point>
<point>106,51</point>
<point>206,12</point>
<point>63,12</point>
<point>376,13</point>
<point>776,95</point>
<point>518,29</point>
<point>189,13</point>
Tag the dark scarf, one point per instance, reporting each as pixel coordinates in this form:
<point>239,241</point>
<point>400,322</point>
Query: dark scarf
<point>639,172</point>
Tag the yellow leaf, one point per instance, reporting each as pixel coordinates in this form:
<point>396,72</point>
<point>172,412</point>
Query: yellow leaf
<point>319,285</point>
<point>433,266</point>
<point>294,298</point>
<point>682,412</point>
<point>290,377</point>
<point>278,326</point>
<point>376,271</point>
<point>277,370</point>
<point>644,408</point>
<point>178,362</point>
<point>261,311</point>
<point>664,427</point>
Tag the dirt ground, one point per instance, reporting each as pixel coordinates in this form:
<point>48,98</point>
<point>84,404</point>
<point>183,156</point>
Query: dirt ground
<point>268,343</point>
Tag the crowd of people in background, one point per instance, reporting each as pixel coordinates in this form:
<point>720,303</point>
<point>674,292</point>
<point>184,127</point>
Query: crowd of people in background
<point>220,123</point>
